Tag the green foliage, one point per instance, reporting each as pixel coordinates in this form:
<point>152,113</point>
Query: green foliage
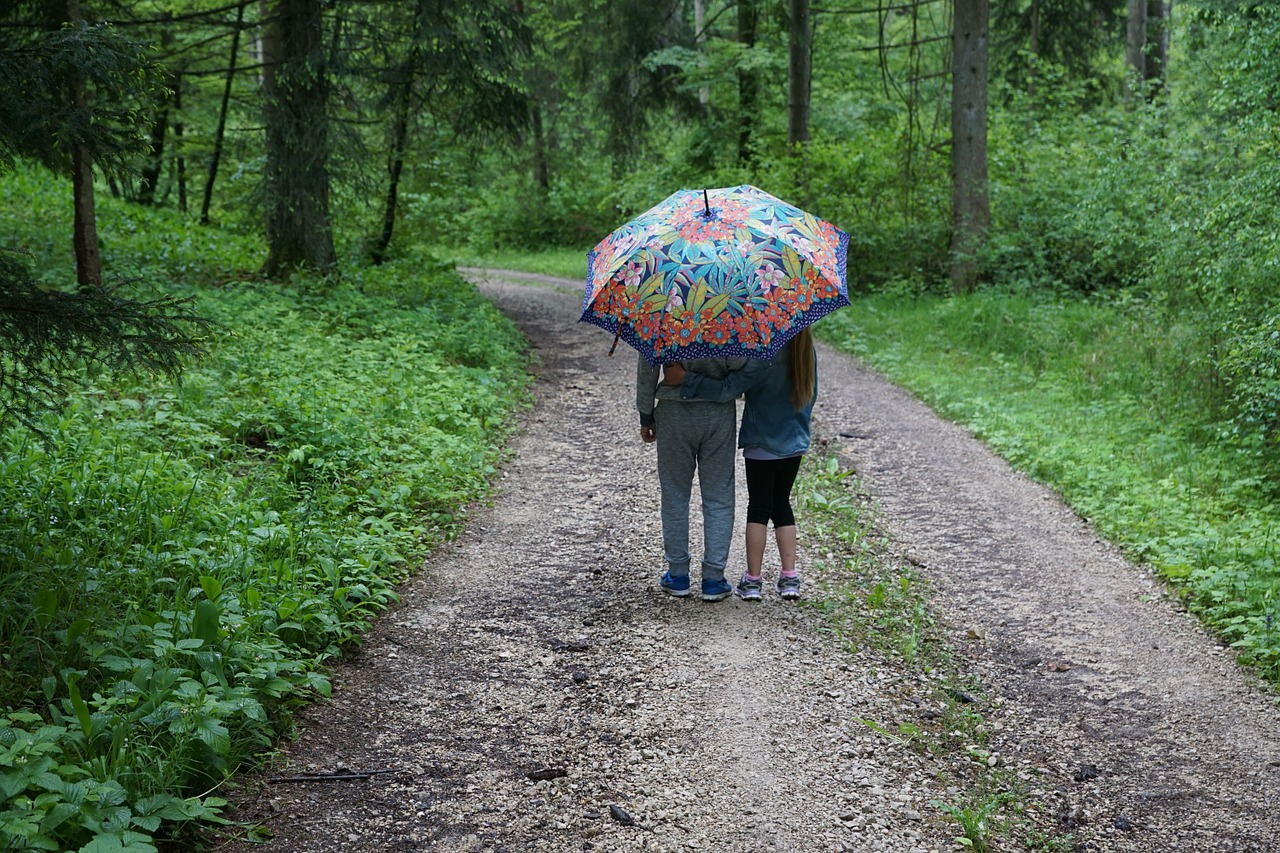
<point>47,337</point>
<point>880,604</point>
<point>178,563</point>
<point>1100,400</point>
<point>1076,35</point>
<point>569,264</point>
<point>974,819</point>
<point>41,122</point>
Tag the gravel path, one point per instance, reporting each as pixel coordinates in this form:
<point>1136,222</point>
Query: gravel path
<point>536,692</point>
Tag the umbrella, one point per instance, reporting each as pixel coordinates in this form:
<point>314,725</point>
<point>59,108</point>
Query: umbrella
<point>716,272</point>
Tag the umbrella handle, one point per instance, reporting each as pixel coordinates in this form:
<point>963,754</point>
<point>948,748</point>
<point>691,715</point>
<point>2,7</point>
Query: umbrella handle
<point>616,335</point>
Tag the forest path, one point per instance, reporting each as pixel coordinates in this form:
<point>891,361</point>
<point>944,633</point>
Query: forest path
<point>536,692</point>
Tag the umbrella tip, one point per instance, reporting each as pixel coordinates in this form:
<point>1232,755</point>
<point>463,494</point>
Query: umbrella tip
<point>706,202</point>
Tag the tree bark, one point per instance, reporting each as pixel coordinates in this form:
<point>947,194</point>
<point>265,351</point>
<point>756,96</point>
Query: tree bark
<point>149,175</point>
<point>541,164</point>
<point>84,231</point>
<point>180,159</point>
<point>748,80</point>
<point>296,179</point>
<point>395,165</point>
<point>220,131</point>
<point>700,40</point>
<point>799,74</point>
<point>970,204</point>
<point>1156,50</point>
<point>1135,54</point>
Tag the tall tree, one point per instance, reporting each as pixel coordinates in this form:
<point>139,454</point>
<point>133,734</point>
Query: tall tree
<point>219,133</point>
<point>1135,54</point>
<point>296,180</point>
<point>970,204</point>
<point>798,73</point>
<point>617,39</point>
<point>1157,45</point>
<point>456,67</point>
<point>85,222</point>
<point>748,79</point>
<point>68,100</point>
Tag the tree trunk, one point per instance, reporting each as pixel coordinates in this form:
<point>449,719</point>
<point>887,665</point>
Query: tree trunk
<point>296,176</point>
<point>1135,54</point>
<point>84,223</point>
<point>970,204</point>
<point>748,80</point>
<point>1156,50</point>
<point>220,132</point>
<point>798,76</point>
<point>85,228</point>
<point>149,175</point>
<point>395,166</point>
<point>700,40</point>
<point>541,165</point>
<point>180,160</point>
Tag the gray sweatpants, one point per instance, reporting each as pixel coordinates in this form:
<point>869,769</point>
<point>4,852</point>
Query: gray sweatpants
<point>696,435</point>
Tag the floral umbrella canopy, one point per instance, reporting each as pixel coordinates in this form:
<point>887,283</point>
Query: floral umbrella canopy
<point>721,272</point>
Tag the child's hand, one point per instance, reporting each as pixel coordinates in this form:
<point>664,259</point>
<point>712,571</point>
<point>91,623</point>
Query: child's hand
<point>672,374</point>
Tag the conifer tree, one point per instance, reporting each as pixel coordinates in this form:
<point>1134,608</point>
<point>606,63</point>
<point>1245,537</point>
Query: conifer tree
<point>66,102</point>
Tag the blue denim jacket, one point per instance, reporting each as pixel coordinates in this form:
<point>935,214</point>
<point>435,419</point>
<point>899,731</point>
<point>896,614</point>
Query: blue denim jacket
<point>769,421</point>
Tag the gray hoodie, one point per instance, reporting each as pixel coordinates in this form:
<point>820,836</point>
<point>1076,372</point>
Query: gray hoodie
<point>648,389</point>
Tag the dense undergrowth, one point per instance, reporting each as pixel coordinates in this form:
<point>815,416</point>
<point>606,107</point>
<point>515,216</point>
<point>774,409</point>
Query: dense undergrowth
<point>179,562</point>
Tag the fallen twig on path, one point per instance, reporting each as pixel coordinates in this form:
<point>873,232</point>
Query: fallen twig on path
<point>337,776</point>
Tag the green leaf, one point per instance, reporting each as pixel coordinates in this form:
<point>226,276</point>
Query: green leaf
<point>212,587</point>
<point>120,842</point>
<point>206,626</point>
<point>215,735</point>
<point>791,263</point>
<point>58,815</point>
<point>651,286</point>
<point>717,303</point>
<point>78,704</point>
<point>697,298</point>
<point>46,602</point>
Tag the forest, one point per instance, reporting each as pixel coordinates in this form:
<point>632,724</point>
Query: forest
<point>244,389</point>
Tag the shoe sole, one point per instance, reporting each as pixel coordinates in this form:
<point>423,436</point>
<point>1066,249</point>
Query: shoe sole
<point>754,595</point>
<point>678,593</point>
<point>789,596</point>
<point>717,596</point>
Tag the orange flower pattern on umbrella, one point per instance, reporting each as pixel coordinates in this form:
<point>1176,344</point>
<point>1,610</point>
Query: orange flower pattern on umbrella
<point>720,272</point>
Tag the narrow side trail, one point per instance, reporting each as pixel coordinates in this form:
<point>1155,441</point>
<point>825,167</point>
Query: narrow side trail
<point>536,692</point>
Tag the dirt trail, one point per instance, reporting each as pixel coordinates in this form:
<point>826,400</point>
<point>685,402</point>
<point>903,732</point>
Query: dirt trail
<point>535,691</point>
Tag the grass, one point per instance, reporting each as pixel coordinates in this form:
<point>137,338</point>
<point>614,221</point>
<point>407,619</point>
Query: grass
<point>563,263</point>
<point>179,562</point>
<point>1106,403</point>
<point>871,600</point>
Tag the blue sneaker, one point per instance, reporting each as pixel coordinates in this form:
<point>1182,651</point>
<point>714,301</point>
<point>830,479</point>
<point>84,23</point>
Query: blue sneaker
<point>716,590</point>
<point>677,585</point>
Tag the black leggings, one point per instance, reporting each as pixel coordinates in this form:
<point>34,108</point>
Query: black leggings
<point>769,483</point>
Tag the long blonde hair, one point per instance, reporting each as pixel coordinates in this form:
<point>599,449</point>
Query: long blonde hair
<point>802,368</point>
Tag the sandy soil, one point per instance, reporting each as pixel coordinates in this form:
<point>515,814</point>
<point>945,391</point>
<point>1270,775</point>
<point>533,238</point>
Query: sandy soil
<point>537,692</point>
